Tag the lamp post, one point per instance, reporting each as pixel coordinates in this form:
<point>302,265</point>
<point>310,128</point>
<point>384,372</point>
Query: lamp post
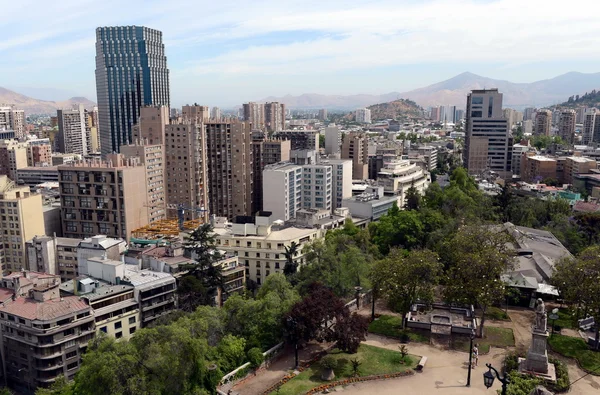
<point>472,337</point>
<point>491,374</point>
<point>373,304</point>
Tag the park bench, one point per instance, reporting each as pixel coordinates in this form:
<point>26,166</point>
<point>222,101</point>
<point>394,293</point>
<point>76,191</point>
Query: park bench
<point>422,363</point>
<point>586,323</point>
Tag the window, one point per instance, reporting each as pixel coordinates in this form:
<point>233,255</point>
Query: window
<point>72,365</point>
<point>276,265</point>
<point>118,325</point>
<point>119,335</point>
<point>131,320</point>
<point>477,100</point>
<point>132,330</point>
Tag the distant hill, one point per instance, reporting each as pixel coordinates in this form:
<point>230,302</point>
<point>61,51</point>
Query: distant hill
<point>454,92</point>
<point>591,99</point>
<point>395,109</point>
<point>35,106</point>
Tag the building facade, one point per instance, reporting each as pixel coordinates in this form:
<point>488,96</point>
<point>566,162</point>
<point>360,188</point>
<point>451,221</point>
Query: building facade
<point>566,126</point>
<point>13,119</point>
<point>275,116</point>
<point>356,148</point>
<point>333,140</point>
<point>362,115</point>
<point>72,136</point>
<point>282,190</point>
<point>255,114</point>
<point>543,122</point>
<point>131,72</point>
<point>317,187</point>
<point>13,156</point>
<point>341,171</point>
<point>150,128</point>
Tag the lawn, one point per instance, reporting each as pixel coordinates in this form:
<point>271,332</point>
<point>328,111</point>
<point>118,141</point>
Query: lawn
<point>497,337</point>
<point>576,348</point>
<point>374,360</point>
<point>391,326</point>
<point>566,319</point>
<point>495,313</point>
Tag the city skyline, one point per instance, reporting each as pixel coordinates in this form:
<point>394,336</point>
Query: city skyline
<point>301,47</point>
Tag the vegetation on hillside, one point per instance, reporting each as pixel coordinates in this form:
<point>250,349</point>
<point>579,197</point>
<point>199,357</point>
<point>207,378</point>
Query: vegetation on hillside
<point>397,109</point>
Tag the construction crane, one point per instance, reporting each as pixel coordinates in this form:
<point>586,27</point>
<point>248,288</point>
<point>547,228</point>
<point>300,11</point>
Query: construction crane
<point>181,209</point>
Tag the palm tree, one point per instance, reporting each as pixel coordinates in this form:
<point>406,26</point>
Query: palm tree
<point>290,265</point>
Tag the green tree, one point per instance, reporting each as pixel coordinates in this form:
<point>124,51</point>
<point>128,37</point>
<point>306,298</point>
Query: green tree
<point>61,386</point>
<point>412,199</point>
<point>476,257</point>
<point>589,223</point>
<point>397,229</point>
<point>231,352</point>
<point>321,141</point>
<point>291,266</point>
<point>405,278</point>
<point>255,357</point>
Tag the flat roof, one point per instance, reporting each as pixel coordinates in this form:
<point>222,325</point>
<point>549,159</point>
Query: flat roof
<point>276,235</point>
<point>137,277</point>
<point>50,309</point>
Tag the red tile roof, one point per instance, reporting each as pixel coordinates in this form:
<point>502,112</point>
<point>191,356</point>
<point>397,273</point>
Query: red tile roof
<point>586,207</point>
<point>44,311</point>
<point>5,294</point>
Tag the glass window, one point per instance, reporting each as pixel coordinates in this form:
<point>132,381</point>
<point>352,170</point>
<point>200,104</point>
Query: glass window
<point>477,100</point>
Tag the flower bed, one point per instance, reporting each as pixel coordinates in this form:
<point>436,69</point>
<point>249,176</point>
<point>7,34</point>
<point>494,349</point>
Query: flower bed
<point>360,379</point>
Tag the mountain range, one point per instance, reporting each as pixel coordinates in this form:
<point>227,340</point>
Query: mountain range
<point>35,106</point>
<point>454,92</point>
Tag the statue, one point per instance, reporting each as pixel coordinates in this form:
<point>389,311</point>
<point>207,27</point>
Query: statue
<point>541,319</point>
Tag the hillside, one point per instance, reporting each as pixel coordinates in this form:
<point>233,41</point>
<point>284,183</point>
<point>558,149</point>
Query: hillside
<point>454,92</point>
<point>591,99</point>
<point>35,106</point>
<point>395,109</point>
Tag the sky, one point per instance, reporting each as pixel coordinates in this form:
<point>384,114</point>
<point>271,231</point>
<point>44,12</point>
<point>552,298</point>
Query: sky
<point>223,53</point>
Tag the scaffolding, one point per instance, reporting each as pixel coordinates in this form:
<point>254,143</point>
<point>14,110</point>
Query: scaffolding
<point>164,229</point>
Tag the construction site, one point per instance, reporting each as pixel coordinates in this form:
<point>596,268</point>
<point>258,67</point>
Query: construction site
<point>164,231</point>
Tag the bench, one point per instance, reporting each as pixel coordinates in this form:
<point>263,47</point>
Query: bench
<point>421,363</point>
<point>586,323</point>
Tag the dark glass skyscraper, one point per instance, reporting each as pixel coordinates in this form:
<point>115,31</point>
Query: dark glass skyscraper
<point>131,71</point>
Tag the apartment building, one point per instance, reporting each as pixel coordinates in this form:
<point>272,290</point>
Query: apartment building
<point>13,119</point>
<point>578,165</point>
<point>13,156</point>
<point>195,113</point>
<point>32,176</point>
<point>517,154</point>
<point>317,187</point>
<point>39,152</point>
<point>103,198</point>
<point>187,167</point>
<point>72,136</point>
<point>22,219</point>
<point>543,122</point>
<point>260,245</point>
<point>322,115</point>
<point>215,114</point>
<point>53,255</point>
<point>152,157</point>
<point>300,139</point>
<point>566,125</point>
<point>363,115</point>
<point>371,204</point>
<point>398,176</point>
<point>536,168</point>
<point>282,190</point>
<point>64,159</point>
<point>356,148</point>
<point>341,172</point>
<point>275,116</point>
<point>591,127</point>
<point>333,140</point>
<point>230,167</point>
<point>255,114</point>
<point>150,128</point>
<point>265,152</point>
<point>43,334</point>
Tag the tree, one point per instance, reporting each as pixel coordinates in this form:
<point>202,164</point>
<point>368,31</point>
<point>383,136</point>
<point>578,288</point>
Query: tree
<point>291,266</point>
<point>412,199</point>
<point>589,223</point>
<point>61,386</point>
<point>231,351</point>
<point>255,357</point>
<point>578,281</point>
<point>208,277</point>
<point>476,257</point>
<point>405,278</point>
<point>321,141</point>
<point>397,229</point>
<point>349,331</point>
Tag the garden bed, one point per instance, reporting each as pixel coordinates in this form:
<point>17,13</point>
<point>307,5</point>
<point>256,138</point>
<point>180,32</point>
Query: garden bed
<point>576,348</point>
<point>375,361</point>
<point>391,326</point>
<point>494,336</point>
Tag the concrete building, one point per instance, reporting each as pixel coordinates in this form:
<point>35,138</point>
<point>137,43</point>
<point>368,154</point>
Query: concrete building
<point>142,72</point>
<point>230,167</point>
<point>265,152</point>
<point>152,157</point>
<point>22,219</point>
<point>98,197</point>
<point>98,246</point>
<point>333,140</point>
<point>435,114</point>
<point>275,116</point>
<point>591,128</point>
<point>578,165</point>
<point>282,190</point>
<point>362,115</point>
<point>186,158</point>
<point>195,113</point>
<point>215,114</point>
<point>566,126</point>
<point>528,114</point>
<point>255,114</point>
<point>13,119</point>
<point>317,187</point>
<point>72,137</point>
<point>488,142</point>
<point>356,148</point>
<point>372,204</point>
<point>399,175</point>
<point>429,154</point>
<point>260,245</point>
<point>543,122</point>
<point>517,154</point>
<point>53,255</point>
<point>322,115</point>
<point>43,334</point>
<point>64,159</point>
<point>13,156</point>
<point>527,127</point>
<point>150,127</point>
<point>303,157</point>
<point>300,139</point>
<point>341,171</point>
<point>39,152</point>
<point>536,168</point>
<point>32,176</point>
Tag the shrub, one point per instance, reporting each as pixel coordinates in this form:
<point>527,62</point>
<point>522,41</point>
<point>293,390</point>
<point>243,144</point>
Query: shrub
<point>255,357</point>
<point>562,376</point>
<point>511,362</point>
<point>329,362</point>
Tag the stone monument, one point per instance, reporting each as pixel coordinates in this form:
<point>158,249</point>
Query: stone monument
<point>536,362</point>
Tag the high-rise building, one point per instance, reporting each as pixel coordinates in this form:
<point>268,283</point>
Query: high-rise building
<point>543,122</point>
<point>39,152</point>
<point>322,114</point>
<point>528,114</point>
<point>22,219</point>
<point>363,115</point>
<point>488,142</point>
<point>13,119</point>
<point>282,190</point>
<point>230,167</point>
<point>435,114</point>
<point>72,131</point>
<point>152,156</point>
<point>13,156</point>
<point>195,113</point>
<point>591,128</point>
<point>333,140</point>
<point>255,114</point>
<point>341,171</point>
<point>575,165</point>
<point>150,128</point>
<point>186,163</point>
<point>535,168</point>
<point>215,114</point>
<point>317,187</point>
<point>274,116</point>
<point>300,139</point>
<point>103,198</point>
<point>566,125</point>
<point>356,147</point>
<point>265,152</point>
<point>131,72</point>
<point>447,114</point>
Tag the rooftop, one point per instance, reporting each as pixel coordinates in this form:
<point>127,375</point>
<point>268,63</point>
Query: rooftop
<point>44,311</point>
<point>100,290</point>
<point>275,235</point>
<point>541,158</point>
<point>140,277</point>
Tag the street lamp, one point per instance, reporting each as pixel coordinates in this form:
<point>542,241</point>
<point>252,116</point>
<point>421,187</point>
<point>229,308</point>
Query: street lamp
<point>472,337</point>
<point>491,374</point>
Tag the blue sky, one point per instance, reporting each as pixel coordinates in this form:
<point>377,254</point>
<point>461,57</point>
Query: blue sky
<point>226,52</point>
